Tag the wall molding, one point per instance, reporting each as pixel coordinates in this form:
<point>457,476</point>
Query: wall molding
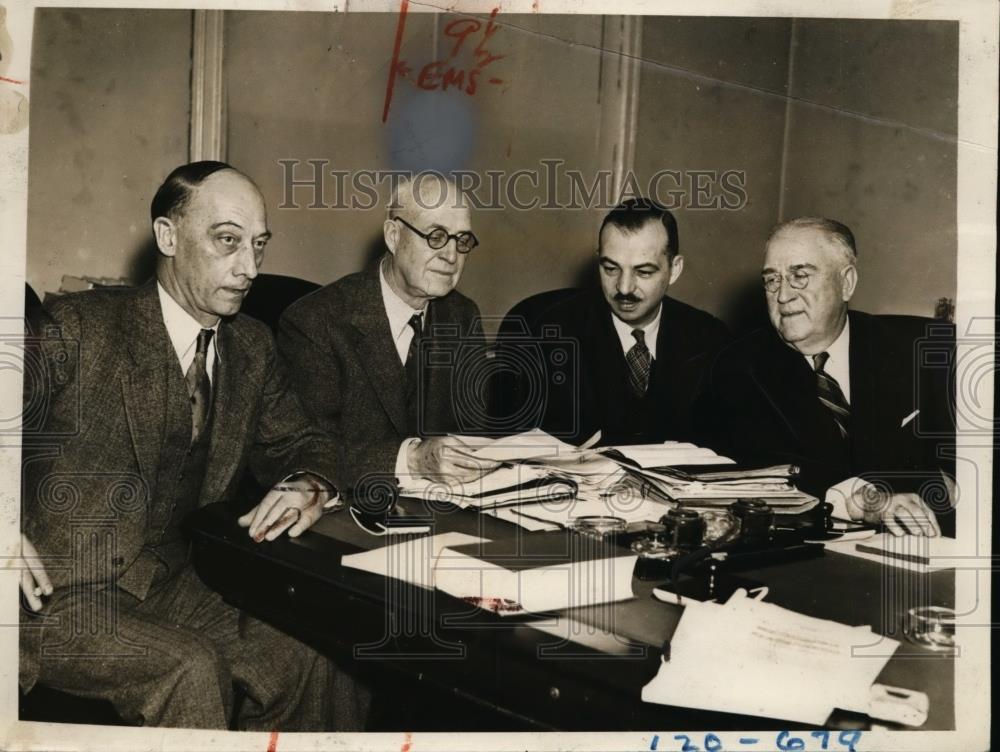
<point>618,94</point>
<point>208,96</point>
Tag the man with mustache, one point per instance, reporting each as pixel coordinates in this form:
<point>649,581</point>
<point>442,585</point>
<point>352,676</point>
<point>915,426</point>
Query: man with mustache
<point>639,353</point>
<point>156,400</point>
<point>377,355</point>
<point>845,395</point>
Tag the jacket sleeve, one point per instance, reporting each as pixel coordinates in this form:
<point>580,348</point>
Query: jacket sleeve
<point>317,372</point>
<point>286,439</point>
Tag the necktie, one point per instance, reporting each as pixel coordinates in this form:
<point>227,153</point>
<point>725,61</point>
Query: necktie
<point>413,354</point>
<point>831,396</point>
<point>199,387</point>
<point>639,360</point>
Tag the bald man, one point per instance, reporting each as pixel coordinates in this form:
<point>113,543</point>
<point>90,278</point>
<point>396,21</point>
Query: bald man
<point>158,398</point>
<point>859,402</point>
<point>380,357</point>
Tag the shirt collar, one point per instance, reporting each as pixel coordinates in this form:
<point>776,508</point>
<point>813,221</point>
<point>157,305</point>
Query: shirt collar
<point>650,332</point>
<point>840,349</point>
<point>182,328</point>
<point>398,310</point>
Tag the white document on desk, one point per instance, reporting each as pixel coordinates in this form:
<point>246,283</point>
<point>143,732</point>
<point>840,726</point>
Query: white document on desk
<point>728,657</point>
<point>536,589</point>
<point>412,561</point>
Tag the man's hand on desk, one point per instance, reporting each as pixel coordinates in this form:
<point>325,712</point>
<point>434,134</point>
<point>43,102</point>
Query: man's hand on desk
<point>34,580</point>
<point>436,459</point>
<point>900,513</point>
<point>293,504</point>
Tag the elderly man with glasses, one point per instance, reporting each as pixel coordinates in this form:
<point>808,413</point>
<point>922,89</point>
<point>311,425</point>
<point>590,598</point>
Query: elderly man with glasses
<point>378,356</point>
<point>861,403</point>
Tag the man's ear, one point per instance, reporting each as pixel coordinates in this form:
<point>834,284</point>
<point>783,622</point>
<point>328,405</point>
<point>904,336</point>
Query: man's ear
<point>390,233</point>
<point>849,283</point>
<point>676,267</point>
<point>165,232</point>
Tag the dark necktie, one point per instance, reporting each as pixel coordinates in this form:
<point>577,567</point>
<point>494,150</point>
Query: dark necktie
<point>199,387</point>
<point>413,355</point>
<point>831,396</point>
<point>639,360</point>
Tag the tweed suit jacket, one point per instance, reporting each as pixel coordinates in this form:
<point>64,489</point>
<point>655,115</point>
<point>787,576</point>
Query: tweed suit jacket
<point>345,367</point>
<point>95,415</point>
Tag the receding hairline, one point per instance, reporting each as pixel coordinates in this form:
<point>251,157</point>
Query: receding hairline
<point>404,197</point>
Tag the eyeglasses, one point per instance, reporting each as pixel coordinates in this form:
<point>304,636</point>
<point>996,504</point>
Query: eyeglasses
<point>798,279</point>
<point>438,238</point>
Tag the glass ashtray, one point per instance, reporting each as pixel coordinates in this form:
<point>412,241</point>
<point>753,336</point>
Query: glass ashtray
<point>932,627</point>
<point>597,526</point>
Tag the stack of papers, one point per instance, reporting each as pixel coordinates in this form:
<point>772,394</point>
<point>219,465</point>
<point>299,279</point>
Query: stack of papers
<point>757,652</point>
<point>708,490</point>
<point>520,484</point>
<point>671,453</point>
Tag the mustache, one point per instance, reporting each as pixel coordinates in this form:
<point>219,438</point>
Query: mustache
<point>626,298</point>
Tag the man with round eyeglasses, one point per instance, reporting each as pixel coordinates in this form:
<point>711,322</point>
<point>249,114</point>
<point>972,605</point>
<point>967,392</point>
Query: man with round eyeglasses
<point>374,355</point>
<point>849,397</point>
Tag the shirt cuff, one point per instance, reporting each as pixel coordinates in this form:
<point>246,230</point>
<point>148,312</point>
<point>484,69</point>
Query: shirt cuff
<point>839,493</point>
<point>333,499</point>
<point>402,472</point>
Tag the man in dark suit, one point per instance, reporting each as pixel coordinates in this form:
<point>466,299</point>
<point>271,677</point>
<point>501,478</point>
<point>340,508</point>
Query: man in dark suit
<point>639,353</point>
<point>380,357</point>
<point>845,395</point>
<point>156,399</point>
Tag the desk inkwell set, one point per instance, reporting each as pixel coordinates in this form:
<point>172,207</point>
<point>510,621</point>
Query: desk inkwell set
<point>701,550</point>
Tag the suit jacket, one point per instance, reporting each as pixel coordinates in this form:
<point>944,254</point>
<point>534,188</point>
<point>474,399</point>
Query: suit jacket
<point>345,367</point>
<point>95,407</point>
<point>592,394</point>
<point>761,406</point>
<point>106,353</point>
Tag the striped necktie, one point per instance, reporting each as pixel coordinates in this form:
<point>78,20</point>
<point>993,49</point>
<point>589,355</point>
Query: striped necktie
<point>830,394</point>
<point>199,387</point>
<point>639,360</point>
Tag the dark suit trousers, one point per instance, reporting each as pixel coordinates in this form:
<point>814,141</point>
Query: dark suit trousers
<point>171,660</point>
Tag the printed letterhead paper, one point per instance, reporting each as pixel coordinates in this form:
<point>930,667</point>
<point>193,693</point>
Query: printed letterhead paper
<point>728,657</point>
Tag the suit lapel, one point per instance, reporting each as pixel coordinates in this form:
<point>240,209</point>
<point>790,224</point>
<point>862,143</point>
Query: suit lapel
<point>788,384</point>
<point>144,385</point>
<point>868,393</point>
<point>607,362</point>
<point>374,342</point>
<point>232,393</point>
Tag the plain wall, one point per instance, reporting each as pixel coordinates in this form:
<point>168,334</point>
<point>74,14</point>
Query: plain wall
<point>712,98</point>
<point>872,142</point>
<point>324,101</point>
<point>109,118</point>
<point>867,137</point>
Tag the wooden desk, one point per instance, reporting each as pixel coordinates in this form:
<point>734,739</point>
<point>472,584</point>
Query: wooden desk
<point>521,671</point>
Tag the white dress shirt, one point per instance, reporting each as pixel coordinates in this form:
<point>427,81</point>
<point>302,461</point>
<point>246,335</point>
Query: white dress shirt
<point>650,332</point>
<point>838,365</point>
<point>183,332</point>
<point>399,313</point>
